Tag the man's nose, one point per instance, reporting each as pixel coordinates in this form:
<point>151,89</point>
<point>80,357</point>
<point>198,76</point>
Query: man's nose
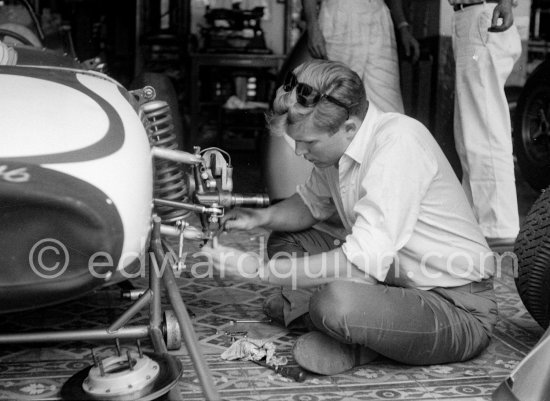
<point>300,149</point>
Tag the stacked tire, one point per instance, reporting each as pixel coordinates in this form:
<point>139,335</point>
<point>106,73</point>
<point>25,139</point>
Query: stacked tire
<point>533,253</point>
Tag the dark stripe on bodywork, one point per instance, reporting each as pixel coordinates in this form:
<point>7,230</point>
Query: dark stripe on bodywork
<point>109,144</point>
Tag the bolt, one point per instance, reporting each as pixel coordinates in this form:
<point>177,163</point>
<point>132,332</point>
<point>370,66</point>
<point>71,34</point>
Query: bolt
<point>138,343</point>
<point>149,92</point>
<point>94,358</point>
<point>117,344</point>
<point>101,368</point>
<point>130,366</point>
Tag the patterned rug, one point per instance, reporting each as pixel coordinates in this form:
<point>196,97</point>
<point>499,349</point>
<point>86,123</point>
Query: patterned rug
<point>38,371</point>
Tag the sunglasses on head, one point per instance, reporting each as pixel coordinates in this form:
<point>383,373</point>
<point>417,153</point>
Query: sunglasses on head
<point>306,95</point>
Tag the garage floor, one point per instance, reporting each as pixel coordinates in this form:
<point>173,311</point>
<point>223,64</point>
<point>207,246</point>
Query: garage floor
<point>38,371</point>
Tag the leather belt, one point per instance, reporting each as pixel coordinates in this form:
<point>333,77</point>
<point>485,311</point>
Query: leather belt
<point>457,7</point>
<point>474,287</point>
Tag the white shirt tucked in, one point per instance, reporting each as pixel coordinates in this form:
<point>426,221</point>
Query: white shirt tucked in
<point>407,219</point>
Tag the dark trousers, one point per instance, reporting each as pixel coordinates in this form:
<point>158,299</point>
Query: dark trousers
<point>408,325</point>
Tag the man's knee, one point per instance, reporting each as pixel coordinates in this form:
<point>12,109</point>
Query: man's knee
<point>329,306</point>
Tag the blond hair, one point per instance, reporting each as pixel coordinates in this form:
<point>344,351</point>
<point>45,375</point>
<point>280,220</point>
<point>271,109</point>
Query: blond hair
<point>329,77</point>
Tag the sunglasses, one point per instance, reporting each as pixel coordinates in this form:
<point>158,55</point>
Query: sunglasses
<point>306,95</point>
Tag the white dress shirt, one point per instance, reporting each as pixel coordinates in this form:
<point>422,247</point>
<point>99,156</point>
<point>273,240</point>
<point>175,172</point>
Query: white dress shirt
<point>407,219</point>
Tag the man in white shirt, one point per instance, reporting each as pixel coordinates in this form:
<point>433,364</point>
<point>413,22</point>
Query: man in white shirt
<point>411,278</point>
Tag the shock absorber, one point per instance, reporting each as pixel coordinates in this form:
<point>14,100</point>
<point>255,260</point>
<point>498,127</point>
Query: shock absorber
<point>169,181</point>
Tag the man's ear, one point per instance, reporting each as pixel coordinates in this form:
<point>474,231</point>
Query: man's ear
<point>351,126</point>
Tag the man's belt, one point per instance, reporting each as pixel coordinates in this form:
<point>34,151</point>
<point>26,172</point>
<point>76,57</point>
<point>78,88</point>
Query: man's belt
<point>474,287</point>
<point>457,7</point>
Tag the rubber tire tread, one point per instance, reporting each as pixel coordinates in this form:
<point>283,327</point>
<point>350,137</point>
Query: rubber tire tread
<point>532,249</point>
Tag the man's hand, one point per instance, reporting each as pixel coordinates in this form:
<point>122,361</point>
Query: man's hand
<point>316,42</point>
<point>232,263</point>
<point>503,11</point>
<point>242,219</point>
<point>410,44</point>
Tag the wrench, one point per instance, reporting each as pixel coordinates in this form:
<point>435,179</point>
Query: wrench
<point>295,373</point>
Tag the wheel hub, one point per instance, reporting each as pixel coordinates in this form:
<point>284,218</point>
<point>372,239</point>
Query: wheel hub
<point>134,376</point>
<point>121,375</point>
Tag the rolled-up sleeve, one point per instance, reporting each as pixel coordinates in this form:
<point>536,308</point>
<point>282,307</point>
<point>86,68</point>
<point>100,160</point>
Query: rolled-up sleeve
<point>389,197</point>
<point>316,195</point>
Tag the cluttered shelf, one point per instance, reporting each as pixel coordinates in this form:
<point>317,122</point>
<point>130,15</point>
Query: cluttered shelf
<point>236,82</point>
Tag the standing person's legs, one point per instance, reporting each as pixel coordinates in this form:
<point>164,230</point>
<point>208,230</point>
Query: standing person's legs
<point>380,71</point>
<point>407,325</point>
<point>360,34</point>
<point>289,305</point>
<point>482,126</point>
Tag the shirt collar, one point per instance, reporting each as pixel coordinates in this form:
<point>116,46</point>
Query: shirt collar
<point>358,145</point>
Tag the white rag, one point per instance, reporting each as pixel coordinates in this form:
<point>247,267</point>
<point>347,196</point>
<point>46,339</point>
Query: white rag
<point>252,349</point>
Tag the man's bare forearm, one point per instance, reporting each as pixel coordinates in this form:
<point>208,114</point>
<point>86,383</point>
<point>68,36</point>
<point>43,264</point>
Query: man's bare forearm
<point>289,215</point>
<point>312,271</point>
<point>310,11</point>
<point>396,9</point>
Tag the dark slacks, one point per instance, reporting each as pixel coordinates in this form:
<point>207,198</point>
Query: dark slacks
<point>408,325</point>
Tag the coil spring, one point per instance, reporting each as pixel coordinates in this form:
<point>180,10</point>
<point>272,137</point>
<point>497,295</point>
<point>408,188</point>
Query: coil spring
<point>169,178</point>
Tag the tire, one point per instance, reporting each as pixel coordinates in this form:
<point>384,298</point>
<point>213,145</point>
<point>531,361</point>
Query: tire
<point>533,252</point>
<point>165,91</point>
<point>14,34</point>
<point>532,128</point>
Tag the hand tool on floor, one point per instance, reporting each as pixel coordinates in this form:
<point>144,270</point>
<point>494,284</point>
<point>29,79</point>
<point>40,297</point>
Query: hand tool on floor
<point>234,322</point>
<point>295,373</point>
<point>235,334</point>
